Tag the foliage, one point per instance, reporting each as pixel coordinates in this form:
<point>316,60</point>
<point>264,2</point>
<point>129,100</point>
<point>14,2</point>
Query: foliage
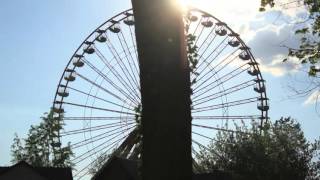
<point>138,112</point>
<point>192,53</point>
<point>278,151</point>
<point>192,49</point>
<point>265,3</point>
<point>42,146</point>
<point>309,50</point>
<point>98,163</point>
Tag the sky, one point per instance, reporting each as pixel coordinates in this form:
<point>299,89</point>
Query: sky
<point>38,37</point>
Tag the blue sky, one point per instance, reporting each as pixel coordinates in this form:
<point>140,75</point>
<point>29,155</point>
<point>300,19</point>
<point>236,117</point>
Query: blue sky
<point>38,38</point>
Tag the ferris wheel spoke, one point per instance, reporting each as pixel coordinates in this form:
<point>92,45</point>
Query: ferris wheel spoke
<point>218,129</point>
<point>201,55</point>
<point>195,154</point>
<point>99,72</point>
<point>94,128</point>
<point>225,78</point>
<point>99,137</point>
<point>197,39</point>
<point>133,39</point>
<point>201,146</point>
<point>201,135</point>
<point>213,52</point>
<point>96,138</point>
<point>222,63</point>
<point>213,68</point>
<point>109,147</point>
<point>116,74</point>
<point>117,57</point>
<point>236,87</point>
<point>107,91</point>
<point>109,118</point>
<point>97,108</point>
<point>86,168</point>
<point>137,74</point>
<point>130,74</point>
<point>194,151</point>
<point>134,44</point>
<point>102,99</point>
<point>210,118</point>
<point>249,117</point>
<point>211,41</point>
<point>195,164</point>
<point>227,104</point>
<point>98,148</point>
<point>206,39</point>
<point>124,43</point>
<point>196,28</point>
<point>129,87</point>
<point>211,139</point>
<point>136,65</point>
<point>224,92</point>
<point>213,98</point>
<point>114,140</point>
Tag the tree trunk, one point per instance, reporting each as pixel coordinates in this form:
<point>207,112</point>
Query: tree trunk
<point>165,88</point>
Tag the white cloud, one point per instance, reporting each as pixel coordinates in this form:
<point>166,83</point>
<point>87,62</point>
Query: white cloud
<point>264,32</point>
<point>234,12</point>
<point>278,68</point>
<point>266,46</point>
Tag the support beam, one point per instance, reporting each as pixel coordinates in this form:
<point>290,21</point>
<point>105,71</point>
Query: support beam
<point>165,89</point>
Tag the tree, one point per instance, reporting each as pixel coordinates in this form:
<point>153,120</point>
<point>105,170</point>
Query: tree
<point>42,146</point>
<point>309,50</point>
<point>99,163</point>
<point>277,151</point>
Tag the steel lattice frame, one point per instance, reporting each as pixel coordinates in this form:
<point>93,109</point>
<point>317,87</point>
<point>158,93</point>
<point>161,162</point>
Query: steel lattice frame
<point>100,88</point>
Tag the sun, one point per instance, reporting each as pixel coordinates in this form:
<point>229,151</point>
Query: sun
<point>182,4</point>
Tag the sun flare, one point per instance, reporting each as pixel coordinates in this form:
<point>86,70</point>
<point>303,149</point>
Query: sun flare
<point>184,2</point>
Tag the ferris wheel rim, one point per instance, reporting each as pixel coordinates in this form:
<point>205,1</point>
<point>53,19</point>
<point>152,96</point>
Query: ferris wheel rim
<point>126,13</point>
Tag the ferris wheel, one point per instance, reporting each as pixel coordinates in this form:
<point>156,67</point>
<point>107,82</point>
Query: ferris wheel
<point>98,97</point>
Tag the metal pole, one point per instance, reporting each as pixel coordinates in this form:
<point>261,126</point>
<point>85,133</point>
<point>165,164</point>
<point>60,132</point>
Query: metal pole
<point>165,88</point>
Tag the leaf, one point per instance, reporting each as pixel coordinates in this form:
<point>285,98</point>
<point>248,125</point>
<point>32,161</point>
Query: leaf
<point>262,9</point>
<point>302,31</point>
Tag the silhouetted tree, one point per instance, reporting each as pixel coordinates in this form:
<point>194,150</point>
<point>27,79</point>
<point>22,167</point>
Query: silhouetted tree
<point>42,146</point>
<point>278,151</point>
